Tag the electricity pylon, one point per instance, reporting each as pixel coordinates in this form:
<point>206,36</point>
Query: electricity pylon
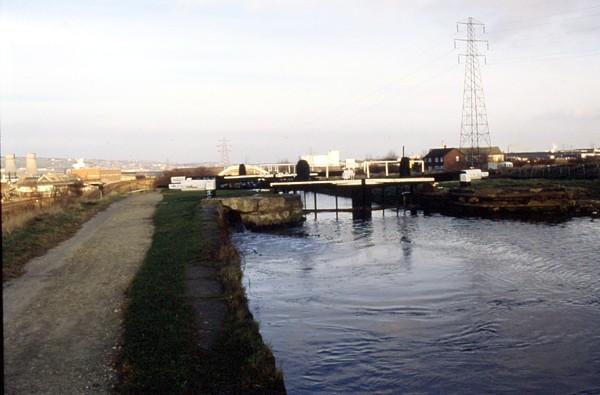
<point>223,149</point>
<point>474,129</point>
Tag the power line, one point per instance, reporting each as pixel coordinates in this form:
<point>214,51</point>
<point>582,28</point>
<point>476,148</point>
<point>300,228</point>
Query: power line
<point>544,58</point>
<point>529,25</point>
<point>340,110</point>
<point>409,88</point>
<point>548,40</point>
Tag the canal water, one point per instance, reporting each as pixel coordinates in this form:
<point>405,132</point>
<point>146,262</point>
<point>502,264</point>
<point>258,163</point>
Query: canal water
<point>414,304</point>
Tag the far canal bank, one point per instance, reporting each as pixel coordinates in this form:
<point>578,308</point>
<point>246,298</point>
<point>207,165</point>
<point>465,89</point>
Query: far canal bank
<point>527,199</point>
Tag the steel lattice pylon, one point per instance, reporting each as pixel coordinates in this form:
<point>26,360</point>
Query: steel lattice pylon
<point>474,129</point>
<point>224,150</point>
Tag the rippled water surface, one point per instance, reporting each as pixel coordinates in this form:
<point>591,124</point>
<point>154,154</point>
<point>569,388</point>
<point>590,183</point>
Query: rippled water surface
<point>429,304</point>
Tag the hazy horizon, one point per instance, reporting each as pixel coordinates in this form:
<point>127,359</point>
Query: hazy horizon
<point>164,80</point>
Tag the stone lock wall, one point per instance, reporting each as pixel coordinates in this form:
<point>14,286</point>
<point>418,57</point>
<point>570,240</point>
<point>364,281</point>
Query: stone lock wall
<point>265,210</point>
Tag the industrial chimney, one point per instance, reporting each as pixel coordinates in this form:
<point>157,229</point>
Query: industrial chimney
<point>30,165</point>
<point>10,166</point>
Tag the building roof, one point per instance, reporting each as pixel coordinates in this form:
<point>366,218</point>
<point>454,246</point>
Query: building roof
<point>484,150</point>
<point>56,178</point>
<point>27,182</point>
<point>437,152</point>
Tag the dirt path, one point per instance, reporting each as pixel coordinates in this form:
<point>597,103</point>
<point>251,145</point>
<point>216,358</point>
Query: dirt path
<point>62,317</point>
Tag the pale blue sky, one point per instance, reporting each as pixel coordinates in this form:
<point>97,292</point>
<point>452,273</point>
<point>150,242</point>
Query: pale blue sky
<point>168,79</point>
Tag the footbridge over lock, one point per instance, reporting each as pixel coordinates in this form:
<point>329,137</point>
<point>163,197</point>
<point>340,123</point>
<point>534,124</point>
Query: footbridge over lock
<point>360,191</point>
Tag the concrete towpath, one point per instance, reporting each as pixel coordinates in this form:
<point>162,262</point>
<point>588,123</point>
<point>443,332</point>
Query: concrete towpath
<point>62,317</point>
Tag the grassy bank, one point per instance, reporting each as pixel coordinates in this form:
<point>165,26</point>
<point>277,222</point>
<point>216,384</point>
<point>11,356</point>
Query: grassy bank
<point>45,230</point>
<point>589,187</point>
<point>161,352</point>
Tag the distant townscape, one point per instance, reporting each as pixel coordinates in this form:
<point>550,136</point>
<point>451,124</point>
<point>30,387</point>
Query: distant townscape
<point>25,177</point>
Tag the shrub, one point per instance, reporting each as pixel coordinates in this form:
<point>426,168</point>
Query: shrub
<point>405,166</point>
<point>302,170</point>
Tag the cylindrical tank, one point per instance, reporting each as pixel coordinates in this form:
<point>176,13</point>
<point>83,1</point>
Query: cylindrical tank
<point>30,165</point>
<point>10,166</point>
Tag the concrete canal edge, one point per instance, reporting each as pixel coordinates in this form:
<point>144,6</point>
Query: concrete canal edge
<point>187,325</point>
<point>239,346</point>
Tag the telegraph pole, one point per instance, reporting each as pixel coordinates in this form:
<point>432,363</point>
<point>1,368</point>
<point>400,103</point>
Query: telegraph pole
<point>223,149</point>
<point>474,130</point>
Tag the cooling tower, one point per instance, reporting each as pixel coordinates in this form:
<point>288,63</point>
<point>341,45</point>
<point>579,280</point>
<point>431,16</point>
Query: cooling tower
<point>30,165</point>
<point>10,166</point>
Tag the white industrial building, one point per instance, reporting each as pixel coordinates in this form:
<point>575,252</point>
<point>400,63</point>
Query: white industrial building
<point>331,159</point>
<point>183,183</point>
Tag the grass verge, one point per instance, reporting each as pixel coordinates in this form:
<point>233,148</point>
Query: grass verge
<point>44,231</point>
<point>160,351</point>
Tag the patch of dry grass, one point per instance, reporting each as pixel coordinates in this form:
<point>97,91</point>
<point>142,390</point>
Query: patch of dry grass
<point>33,233</point>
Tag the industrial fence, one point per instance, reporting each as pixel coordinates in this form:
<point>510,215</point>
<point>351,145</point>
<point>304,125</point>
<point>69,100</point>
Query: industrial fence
<point>580,171</point>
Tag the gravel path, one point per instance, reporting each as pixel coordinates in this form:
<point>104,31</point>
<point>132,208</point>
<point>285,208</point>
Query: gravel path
<point>62,318</point>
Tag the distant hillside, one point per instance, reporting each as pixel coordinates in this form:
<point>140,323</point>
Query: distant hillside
<point>61,164</point>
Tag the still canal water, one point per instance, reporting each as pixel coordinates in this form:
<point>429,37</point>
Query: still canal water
<point>429,304</point>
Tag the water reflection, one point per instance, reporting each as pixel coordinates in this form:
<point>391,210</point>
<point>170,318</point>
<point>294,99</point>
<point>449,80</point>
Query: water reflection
<point>363,231</point>
<point>429,304</point>
<point>405,239</point>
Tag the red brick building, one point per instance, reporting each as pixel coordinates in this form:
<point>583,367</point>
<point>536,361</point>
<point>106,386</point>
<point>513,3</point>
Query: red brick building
<point>444,159</point>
